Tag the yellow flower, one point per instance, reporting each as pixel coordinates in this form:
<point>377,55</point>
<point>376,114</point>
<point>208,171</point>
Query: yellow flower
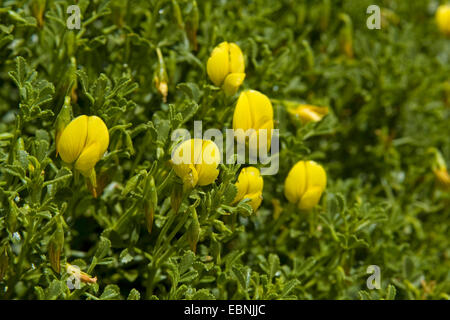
<point>253,111</point>
<point>305,184</point>
<point>83,142</point>
<point>225,67</point>
<point>249,185</point>
<point>308,113</point>
<point>443,19</point>
<point>195,161</point>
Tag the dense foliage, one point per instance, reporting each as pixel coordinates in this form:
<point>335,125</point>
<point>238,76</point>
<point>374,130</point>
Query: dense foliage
<point>388,94</point>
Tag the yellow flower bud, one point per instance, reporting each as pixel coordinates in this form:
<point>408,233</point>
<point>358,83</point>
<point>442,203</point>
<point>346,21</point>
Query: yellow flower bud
<point>55,247</point>
<point>226,67</point>
<point>439,168</point>
<point>195,161</point>
<point>160,78</point>
<point>305,184</point>
<point>83,142</point>
<point>308,113</point>
<point>442,178</point>
<point>254,111</point>
<point>346,35</point>
<point>250,185</point>
<point>443,19</point>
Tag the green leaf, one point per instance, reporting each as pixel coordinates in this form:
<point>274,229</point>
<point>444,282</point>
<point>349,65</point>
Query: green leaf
<point>391,292</point>
<point>232,258</point>
<point>203,294</point>
<point>244,208</point>
<point>186,261</point>
<point>111,292</point>
<point>85,84</point>
<point>22,73</point>
<point>39,293</point>
<point>134,295</point>
<point>301,268</point>
<point>408,267</point>
<point>190,109</point>
<point>189,276</point>
<point>55,290</point>
<point>289,286</point>
<point>125,256</point>
<point>242,275</point>
<point>364,295</point>
<point>190,89</point>
<point>131,184</point>
<point>180,292</point>
<point>63,175</point>
<point>274,265</point>
<point>103,248</point>
<point>230,193</point>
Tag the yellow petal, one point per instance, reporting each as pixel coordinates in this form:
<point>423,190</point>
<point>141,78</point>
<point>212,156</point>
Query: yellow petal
<point>253,111</point>
<point>232,83</point>
<point>208,175</point>
<point>250,185</point>
<point>242,187</point>
<point>242,118</point>
<point>183,154</point>
<point>191,178</point>
<point>184,158</point>
<point>187,173</point>
<point>73,139</point>
<point>295,183</point>
<point>255,181</point>
<point>261,117</point>
<point>97,133</point>
<point>260,108</point>
<point>210,153</point>
<point>207,169</point>
<point>443,19</point>
<point>310,198</point>
<point>309,113</point>
<point>267,128</point>
<point>316,176</point>
<point>181,170</point>
<point>197,146</point>
<point>218,65</point>
<point>237,64</point>
<point>249,182</point>
<point>88,158</point>
<point>255,200</point>
<point>195,161</point>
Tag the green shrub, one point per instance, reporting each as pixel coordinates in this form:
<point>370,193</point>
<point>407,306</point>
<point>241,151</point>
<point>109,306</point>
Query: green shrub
<point>388,96</point>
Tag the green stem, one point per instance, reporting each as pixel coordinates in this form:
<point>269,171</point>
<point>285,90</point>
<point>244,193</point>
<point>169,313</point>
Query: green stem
<point>157,262</point>
<point>164,230</point>
<point>124,217</point>
<point>150,280</point>
<point>22,255</point>
<point>312,224</point>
